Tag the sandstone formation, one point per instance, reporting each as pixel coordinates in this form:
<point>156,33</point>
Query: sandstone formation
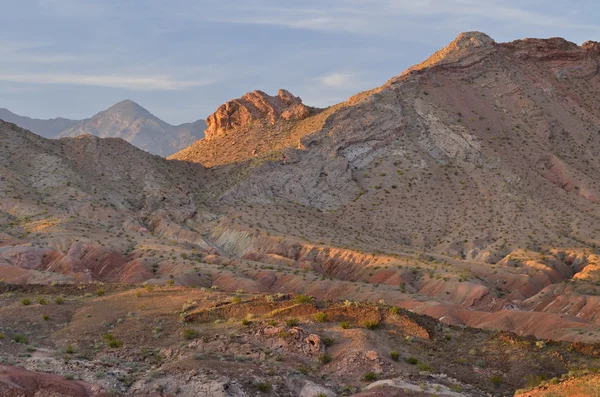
<point>252,107</point>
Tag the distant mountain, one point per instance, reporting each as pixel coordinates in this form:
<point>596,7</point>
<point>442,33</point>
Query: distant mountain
<point>46,128</point>
<point>126,120</point>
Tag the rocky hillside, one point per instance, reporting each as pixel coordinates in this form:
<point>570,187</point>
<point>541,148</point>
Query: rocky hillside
<point>495,142</point>
<point>126,120</point>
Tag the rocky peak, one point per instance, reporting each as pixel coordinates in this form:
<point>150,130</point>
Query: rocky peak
<point>127,107</point>
<point>468,47</point>
<point>255,106</point>
<point>544,48</point>
<point>592,46</point>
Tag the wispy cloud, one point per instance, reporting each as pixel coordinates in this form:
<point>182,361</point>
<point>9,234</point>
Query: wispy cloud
<point>131,82</point>
<point>338,79</point>
<point>379,17</point>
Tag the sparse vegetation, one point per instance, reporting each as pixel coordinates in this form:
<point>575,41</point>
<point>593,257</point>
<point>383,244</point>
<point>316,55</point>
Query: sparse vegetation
<point>324,358</point>
<point>372,325</point>
<point>320,317</point>
<point>111,341</point>
<point>190,333</point>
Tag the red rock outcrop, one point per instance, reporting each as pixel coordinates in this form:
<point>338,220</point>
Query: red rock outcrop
<point>252,107</point>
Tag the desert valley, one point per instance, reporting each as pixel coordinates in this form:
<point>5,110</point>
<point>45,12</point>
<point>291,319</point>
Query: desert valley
<point>438,235</point>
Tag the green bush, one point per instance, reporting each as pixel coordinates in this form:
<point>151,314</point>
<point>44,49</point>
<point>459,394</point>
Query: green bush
<point>345,324</point>
<point>369,377</point>
<point>111,341</point>
<point>372,325</point>
<point>325,358</point>
<point>292,322</point>
<point>303,299</point>
<point>40,300</point>
<point>190,333</point>
<point>395,310</point>
<point>264,387</point>
<point>496,380</point>
<point>26,301</point>
<point>412,361</point>
<point>100,292</point>
<point>328,341</point>
<point>59,300</point>
<point>425,367</point>
<point>20,338</point>
<point>394,355</point>
<point>321,317</point>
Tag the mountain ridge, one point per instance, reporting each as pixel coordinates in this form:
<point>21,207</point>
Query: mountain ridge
<point>125,119</point>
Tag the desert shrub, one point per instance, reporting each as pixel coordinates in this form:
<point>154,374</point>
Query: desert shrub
<point>395,310</point>
<point>496,380</point>
<point>246,322</point>
<point>264,387</point>
<point>292,322</point>
<point>532,381</point>
<point>111,341</point>
<point>345,324</point>
<point>26,301</point>
<point>170,283</point>
<point>70,349</point>
<point>369,377</point>
<point>100,292</point>
<point>190,333</point>
<point>236,300</point>
<point>321,317</point>
<point>46,317</point>
<point>40,300</point>
<point>328,341</point>
<point>372,325</point>
<point>20,338</point>
<point>456,388</point>
<point>59,300</point>
<point>324,358</point>
<point>412,361</point>
<point>394,355</point>
<point>425,367</point>
<point>303,299</point>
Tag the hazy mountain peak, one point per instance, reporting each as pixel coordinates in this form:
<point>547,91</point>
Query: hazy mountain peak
<point>130,107</point>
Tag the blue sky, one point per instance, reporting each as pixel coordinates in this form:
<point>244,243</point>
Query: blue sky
<point>182,58</point>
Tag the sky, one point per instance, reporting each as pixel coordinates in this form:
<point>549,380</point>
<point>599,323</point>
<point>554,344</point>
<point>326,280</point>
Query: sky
<point>181,59</point>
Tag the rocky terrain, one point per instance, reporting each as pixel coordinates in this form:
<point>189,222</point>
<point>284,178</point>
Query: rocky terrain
<point>126,120</point>
<point>454,210</point>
